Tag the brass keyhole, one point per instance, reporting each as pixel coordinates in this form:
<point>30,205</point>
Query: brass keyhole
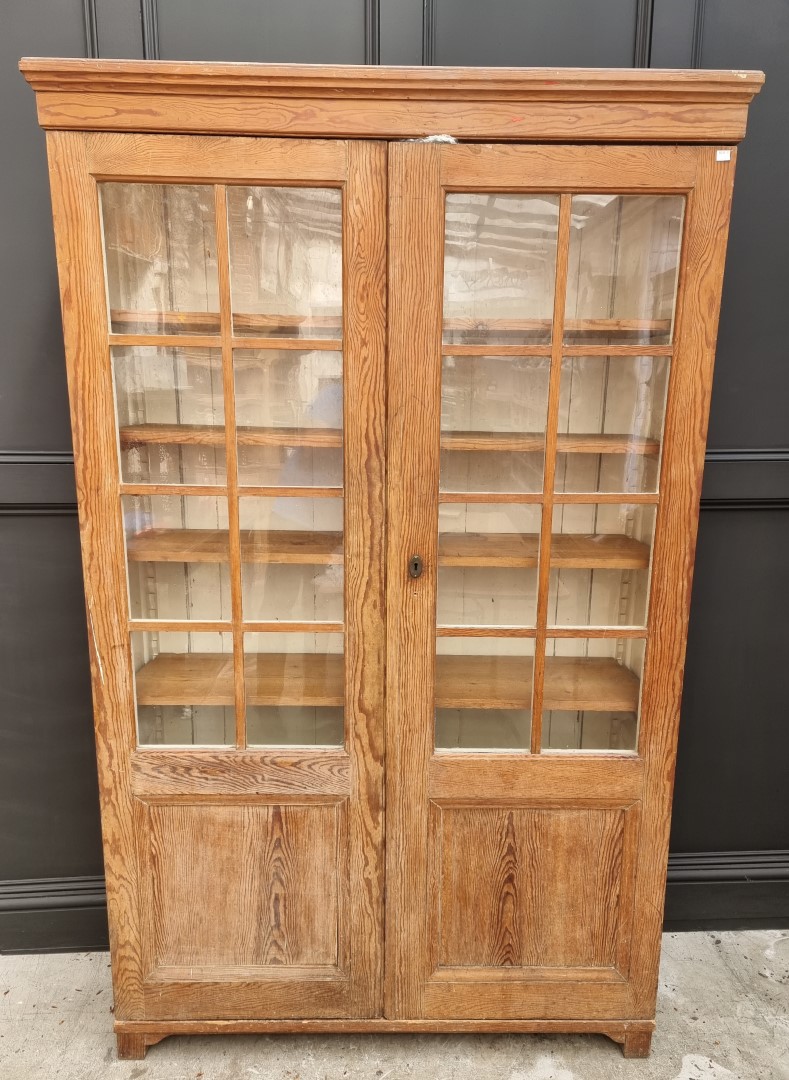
<point>415,566</point>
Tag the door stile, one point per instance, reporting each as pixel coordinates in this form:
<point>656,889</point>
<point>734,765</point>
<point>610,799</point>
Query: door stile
<point>416,238</point>
<point>687,412</point>
<point>231,452</point>
<point>81,277</point>
<point>364,338</point>
<point>551,437</point>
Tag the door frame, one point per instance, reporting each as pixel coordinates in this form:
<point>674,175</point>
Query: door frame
<point>135,781</point>
<point>418,779</point>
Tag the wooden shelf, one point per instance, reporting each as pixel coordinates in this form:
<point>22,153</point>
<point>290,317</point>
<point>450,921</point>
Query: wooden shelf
<point>565,444</point>
<point>207,322</point>
<point>211,546</point>
<point>462,682</point>
<point>207,435</point>
<point>568,551</point>
<point>572,683</point>
<point>271,679</point>
<point>572,326</point>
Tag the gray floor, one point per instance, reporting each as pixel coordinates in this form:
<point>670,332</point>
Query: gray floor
<point>723,1013</point>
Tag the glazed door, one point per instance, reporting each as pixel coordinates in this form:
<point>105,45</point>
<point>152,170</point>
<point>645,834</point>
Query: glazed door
<point>227,390</point>
<point>552,321</point>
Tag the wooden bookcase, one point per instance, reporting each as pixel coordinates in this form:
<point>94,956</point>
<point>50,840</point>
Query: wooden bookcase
<point>388,457</point>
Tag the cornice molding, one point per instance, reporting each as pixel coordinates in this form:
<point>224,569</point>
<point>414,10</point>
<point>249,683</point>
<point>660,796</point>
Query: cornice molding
<point>546,84</point>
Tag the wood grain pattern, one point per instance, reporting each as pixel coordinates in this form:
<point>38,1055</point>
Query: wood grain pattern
<point>561,778</point>
<point>544,887</point>
<point>245,884</point>
<point>364,411</point>
<point>454,549</point>
<point>206,435</point>
<point>416,229</point>
<point>81,274</point>
<point>565,444</point>
<point>223,160</point>
<point>509,104</point>
<point>505,682</point>
<point>279,773</point>
<point>701,274</point>
<point>271,679</point>
<point>237,886</point>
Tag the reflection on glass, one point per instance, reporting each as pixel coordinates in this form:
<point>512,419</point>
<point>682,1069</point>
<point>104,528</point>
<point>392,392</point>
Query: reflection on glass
<point>160,256</point>
<point>623,265</point>
<point>295,391</point>
<point>177,555</point>
<point>170,415</point>
<point>611,413</point>
<point>493,413</point>
<point>592,692</point>
<point>184,688</point>
<point>295,689</point>
<point>292,559</point>
<point>286,261</point>
<point>487,564</point>
<point>289,413</point>
<point>600,560</point>
<point>499,268</point>
<point>483,693</point>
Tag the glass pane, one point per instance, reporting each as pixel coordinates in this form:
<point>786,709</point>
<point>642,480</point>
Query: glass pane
<point>623,264</point>
<point>289,417</point>
<point>184,688</point>
<point>499,268</point>
<point>286,261</point>
<point>160,256</point>
<point>295,686</point>
<point>177,556</point>
<point>493,414</point>
<point>487,564</point>
<point>483,693</point>
<point>292,559</point>
<point>600,562</point>
<point>170,414</point>
<point>592,693</point>
<point>611,413</point>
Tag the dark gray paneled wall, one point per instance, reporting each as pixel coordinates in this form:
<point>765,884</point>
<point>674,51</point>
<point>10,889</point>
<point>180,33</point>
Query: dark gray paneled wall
<point>731,794</point>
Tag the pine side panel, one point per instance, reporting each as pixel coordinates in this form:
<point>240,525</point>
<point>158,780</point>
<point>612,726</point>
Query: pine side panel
<point>364,358</point>
<point>701,279</point>
<point>416,225</point>
<point>81,274</point>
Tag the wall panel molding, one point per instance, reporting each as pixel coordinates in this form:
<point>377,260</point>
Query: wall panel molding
<point>697,40</point>
<point>372,31</point>
<point>429,32</point>
<point>642,48</point>
<point>149,20</point>
<point>91,29</point>
<point>73,909</point>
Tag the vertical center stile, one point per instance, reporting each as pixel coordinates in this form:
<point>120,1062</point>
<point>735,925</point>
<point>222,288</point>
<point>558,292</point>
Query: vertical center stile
<point>551,429</point>
<point>231,450</point>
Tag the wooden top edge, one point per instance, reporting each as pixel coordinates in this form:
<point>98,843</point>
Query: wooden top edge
<point>165,77</point>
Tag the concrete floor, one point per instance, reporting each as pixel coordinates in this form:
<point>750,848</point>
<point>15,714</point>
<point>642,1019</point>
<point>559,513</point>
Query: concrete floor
<point>723,1014</point>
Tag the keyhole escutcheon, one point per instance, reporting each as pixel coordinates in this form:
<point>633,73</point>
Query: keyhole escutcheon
<point>415,566</point>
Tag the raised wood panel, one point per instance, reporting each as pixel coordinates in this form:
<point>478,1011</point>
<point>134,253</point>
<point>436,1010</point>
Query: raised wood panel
<point>544,886</point>
<point>245,886</point>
